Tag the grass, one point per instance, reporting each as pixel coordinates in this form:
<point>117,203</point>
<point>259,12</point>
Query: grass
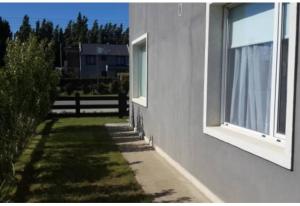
<point>75,160</point>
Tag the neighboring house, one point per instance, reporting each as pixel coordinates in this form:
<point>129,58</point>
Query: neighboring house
<point>89,61</point>
<point>71,62</point>
<point>214,87</point>
<point>98,60</point>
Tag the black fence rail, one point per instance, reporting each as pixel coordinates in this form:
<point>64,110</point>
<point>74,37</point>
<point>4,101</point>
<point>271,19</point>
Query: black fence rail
<point>121,105</point>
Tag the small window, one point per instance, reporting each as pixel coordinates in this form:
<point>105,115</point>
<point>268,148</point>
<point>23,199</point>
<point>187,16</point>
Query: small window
<point>140,70</point>
<point>103,58</point>
<point>121,60</point>
<point>255,43</point>
<point>91,59</point>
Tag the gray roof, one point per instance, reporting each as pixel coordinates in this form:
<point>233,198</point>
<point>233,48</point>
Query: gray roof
<point>104,49</point>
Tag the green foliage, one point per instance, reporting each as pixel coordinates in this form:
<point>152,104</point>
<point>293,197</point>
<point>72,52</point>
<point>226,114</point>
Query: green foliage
<point>103,88</point>
<point>76,31</point>
<point>5,34</point>
<point>27,90</point>
<point>94,34</point>
<point>86,88</point>
<point>125,86</point>
<point>69,88</point>
<point>115,87</point>
<point>25,30</point>
<point>44,31</point>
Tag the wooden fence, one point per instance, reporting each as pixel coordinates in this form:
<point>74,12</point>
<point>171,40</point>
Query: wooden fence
<point>121,105</point>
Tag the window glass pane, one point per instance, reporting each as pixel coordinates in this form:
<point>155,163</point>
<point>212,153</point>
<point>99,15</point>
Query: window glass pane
<point>251,24</point>
<point>281,118</point>
<point>249,69</point>
<point>142,61</point>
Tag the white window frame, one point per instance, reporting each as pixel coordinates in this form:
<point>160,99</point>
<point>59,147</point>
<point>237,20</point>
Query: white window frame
<point>143,101</point>
<point>275,147</point>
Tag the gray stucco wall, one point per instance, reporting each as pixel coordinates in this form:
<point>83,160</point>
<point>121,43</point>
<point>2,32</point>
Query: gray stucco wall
<point>175,107</point>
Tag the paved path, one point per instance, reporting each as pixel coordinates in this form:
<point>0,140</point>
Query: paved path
<point>156,176</point>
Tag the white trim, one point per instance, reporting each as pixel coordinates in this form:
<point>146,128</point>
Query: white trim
<point>275,133</point>
<point>207,9</point>
<point>274,70</point>
<point>196,182</point>
<point>275,149</point>
<point>143,101</point>
<point>291,76</point>
<point>254,134</point>
<point>262,148</point>
<point>224,61</point>
<point>140,39</point>
<point>140,100</point>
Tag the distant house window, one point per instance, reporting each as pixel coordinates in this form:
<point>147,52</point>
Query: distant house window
<point>90,59</point>
<point>140,70</point>
<point>103,58</point>
<point>121,60</point>
<point>255,43</point>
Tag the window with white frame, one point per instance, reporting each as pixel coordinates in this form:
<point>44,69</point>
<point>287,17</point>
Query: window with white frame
<point>139,70</point>
<point>255,43</point>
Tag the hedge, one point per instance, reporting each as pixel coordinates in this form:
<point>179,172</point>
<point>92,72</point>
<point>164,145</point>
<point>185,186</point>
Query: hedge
<point>27,90</point>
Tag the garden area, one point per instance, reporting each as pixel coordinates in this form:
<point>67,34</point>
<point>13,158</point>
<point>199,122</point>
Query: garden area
<point>74,160</point>
<point>57,159</point>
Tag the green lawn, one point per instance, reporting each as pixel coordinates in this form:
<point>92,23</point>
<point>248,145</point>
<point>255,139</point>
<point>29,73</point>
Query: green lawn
<point>75,160</point>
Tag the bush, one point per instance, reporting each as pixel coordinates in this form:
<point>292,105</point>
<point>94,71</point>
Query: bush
<point>27,91</point>
<point>115,87</point>
<point>86,89</point>
<point>125,86</point>
<point>103,88</point>
<point>69,88</point>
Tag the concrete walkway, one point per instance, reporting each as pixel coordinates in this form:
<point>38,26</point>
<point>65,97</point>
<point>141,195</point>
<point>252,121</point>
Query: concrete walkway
<point>155,174</point>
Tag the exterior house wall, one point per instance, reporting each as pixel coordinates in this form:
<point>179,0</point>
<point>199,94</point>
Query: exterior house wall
<point>174,115</point>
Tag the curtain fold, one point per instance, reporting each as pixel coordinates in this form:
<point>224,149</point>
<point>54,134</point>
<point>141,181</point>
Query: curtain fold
<point>250,89</point>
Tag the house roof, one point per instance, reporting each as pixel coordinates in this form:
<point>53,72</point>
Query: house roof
<point>104,49</point>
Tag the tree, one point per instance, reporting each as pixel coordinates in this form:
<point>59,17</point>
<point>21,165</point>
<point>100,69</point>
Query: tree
<point>125,37</point>
<point>37,28</point>
<point>58,38</point>
<point>45,30</point>
<point>25,30</point>
<point>94,33</point>
<point>69,34</point>
<point>81,29</point>
<point>5,34</point>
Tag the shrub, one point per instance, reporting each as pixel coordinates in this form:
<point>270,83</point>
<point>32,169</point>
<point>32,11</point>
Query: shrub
<point>86,89</point>
<point>27,91</point>
<point>103,88</point>
<point>125,86</point>
<point>69,88</point>
<point>115,87</point>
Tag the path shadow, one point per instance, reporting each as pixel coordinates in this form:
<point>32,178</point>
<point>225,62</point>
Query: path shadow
<point>165,193</point>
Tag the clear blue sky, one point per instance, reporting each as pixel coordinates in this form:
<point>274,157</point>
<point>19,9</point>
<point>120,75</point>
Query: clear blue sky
<point>61,13</point>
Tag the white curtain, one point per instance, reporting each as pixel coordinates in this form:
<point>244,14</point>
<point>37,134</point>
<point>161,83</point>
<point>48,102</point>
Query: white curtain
<point>249,92</point>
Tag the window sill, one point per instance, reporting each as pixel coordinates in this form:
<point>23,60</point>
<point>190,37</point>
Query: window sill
<point>273,152</point>
<point>140,100</point>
